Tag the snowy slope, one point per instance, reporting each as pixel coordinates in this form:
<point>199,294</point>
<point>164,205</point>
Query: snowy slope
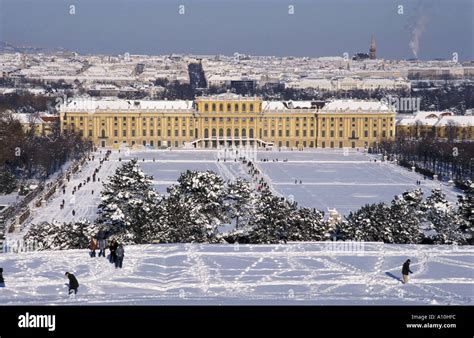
<point>300,273</point>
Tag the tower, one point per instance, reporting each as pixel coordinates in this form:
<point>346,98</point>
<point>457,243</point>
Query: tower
<point>372,48</point>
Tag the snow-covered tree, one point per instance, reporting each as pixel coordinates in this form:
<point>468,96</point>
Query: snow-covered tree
<point>127,204</point>
<point>8,181</point>
<point>193,210</point>
<point>405,217</point>
<point>270,220</point>
<point>370,223</point>
<point>60,236</point>
<point>442,218</point>
<point>240,201</point>
<point>466,212</point>
<point>308,224</point>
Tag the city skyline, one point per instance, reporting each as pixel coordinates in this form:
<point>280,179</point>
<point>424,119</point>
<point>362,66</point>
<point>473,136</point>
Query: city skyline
<point>254,28</point>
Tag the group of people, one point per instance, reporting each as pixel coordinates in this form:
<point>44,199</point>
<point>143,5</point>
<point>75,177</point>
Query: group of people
<point>89,179</point>
<point>273,160</point>
<point>117,252</point>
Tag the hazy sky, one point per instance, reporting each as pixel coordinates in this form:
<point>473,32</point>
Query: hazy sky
<point>256,27</point>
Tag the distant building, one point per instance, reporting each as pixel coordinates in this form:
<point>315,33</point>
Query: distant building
<point>230,119</point>
<point>437,124</point>
<point>43,123</point>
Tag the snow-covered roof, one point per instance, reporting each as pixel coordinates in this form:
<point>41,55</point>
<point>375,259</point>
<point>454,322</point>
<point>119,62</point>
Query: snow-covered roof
<point>33,118</point>
<point>456,120</point>
<point>436,118</point>
<point>228,97</point>
<point>94,105</point>
<point>282,105</point>
<point>355,105</point>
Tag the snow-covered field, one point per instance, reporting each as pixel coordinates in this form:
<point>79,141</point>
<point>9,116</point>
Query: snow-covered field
<point>329,179</point>
<point>300,273</point>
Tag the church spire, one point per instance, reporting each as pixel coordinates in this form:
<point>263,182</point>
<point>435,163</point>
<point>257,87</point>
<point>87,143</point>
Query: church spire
<point>372,49</point>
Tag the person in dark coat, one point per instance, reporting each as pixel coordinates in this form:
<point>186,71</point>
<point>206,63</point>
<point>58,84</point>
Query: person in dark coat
<point>113,251</point>
<point>73,283</point>
<point>405,271</point>
<point>102,243</point>
<point>120,255</point>
<point>2,281</point>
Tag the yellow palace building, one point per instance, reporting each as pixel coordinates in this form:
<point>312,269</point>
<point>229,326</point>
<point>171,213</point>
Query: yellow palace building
<point>229,120</point>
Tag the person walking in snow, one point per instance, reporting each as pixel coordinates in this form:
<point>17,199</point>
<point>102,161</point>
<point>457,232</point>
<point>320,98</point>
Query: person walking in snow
<point>113,251</point>
<point>101,242</point>
<point>405,271</point>
<point>120,255</point>
<point>73,283</point>
<point>93,246</point>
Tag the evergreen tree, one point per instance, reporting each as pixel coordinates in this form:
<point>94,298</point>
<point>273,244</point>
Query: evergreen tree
<point>128,200</point>
<point>60,236</point>
<point>194,209</point>
<point>308,224</point>
<point>240,201</point>
<point>371,223</point>
<point>270,222</point>
<point>8,181</point>
<point>405,217</point>
<point>466,212</point>
<point>442,218</point>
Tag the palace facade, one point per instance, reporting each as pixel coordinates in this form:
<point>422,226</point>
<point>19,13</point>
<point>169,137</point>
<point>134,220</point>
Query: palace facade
<point>229,119</point>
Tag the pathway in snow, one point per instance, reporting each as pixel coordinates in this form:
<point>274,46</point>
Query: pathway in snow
<point>296,273</point>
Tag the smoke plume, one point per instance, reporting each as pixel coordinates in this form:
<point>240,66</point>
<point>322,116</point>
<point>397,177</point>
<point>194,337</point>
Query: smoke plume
<point>418,26</point>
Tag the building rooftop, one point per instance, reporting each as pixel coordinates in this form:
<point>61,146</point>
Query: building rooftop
<point>124,105</point>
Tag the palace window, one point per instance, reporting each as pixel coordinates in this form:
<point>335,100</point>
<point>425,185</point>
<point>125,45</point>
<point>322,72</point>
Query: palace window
<point>251,107</point>
<point>236,107</point>
<point>221,107</point>
<point>229,107</point>
<point>244,107</point>
<point>213,107</point>
<point>206,107</point>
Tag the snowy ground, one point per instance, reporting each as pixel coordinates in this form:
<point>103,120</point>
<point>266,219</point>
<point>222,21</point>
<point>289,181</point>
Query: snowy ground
<point>300,273</point>
<point>329,179</point>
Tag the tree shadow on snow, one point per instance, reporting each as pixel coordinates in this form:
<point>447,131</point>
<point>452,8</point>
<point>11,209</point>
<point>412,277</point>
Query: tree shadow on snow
<point>393,276</point>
